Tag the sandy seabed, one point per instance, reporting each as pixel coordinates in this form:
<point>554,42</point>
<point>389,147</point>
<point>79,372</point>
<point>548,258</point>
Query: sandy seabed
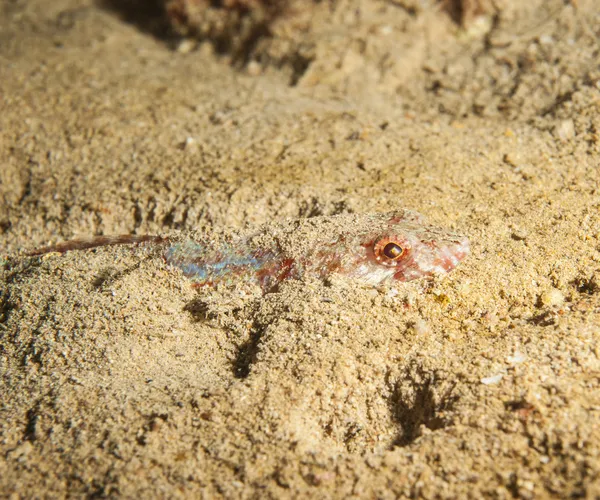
<point>119,379</point>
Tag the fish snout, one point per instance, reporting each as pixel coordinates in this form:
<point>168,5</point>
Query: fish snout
<point>453,252</point>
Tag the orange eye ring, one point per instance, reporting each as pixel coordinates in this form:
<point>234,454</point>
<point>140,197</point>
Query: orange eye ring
<point>388,250</point>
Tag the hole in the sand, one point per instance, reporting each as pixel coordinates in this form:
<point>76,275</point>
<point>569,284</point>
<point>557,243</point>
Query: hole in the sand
<point>5,305</point>
<point>32,431</point>
<point>198,309</point>
<point>422,399</point>
<point>587,285</point>
<point>246,354</point>
<point>104,278</point>
<point>547,318</point>
<point>522,408</point>
<point>300,65</point>
<point>222,309</point>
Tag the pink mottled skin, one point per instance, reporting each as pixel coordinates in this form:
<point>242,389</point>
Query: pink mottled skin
<point>371,248</point>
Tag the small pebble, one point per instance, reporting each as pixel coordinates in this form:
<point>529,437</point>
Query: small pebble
<point>494,379</point>
<point>552,298</point>
<point>517,358</point>
<point>254,68</point>
<point>186,46</point>
<point>565,130</point>
<point>510,159</point>
<point>421,327</point>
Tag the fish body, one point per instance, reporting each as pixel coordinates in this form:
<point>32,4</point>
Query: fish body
<point>371,248</point>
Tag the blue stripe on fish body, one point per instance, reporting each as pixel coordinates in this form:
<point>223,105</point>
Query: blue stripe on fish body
<point>201,265</point>
<point>193,270</point>
<point>235,262</point>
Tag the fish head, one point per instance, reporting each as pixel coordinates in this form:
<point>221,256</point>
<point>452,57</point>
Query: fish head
<point>407,250</point>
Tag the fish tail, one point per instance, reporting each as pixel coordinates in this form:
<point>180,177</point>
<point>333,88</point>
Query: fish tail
<point>97,241</point>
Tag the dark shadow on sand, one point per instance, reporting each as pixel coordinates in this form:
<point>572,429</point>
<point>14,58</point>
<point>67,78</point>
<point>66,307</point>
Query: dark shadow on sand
<point>147,15</point>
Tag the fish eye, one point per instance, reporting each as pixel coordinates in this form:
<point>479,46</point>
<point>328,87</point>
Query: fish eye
<point>393,251</point>
<point>389,250</point>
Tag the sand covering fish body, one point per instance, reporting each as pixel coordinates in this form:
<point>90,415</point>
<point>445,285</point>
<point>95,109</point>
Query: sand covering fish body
<point>372,248</point>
